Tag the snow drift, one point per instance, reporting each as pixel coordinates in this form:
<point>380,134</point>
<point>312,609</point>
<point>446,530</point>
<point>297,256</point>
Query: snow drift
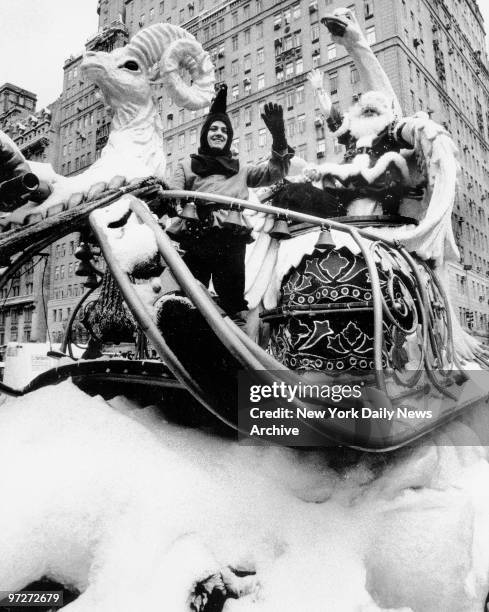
<point>132,511</point>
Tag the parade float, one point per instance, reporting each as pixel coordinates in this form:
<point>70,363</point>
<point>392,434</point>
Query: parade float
<point>135,511</point>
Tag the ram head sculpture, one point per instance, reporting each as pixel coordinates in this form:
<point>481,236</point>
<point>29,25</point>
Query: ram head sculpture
<point>135,147</point>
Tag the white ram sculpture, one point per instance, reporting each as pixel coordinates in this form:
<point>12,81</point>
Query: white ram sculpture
<point>135,145</point>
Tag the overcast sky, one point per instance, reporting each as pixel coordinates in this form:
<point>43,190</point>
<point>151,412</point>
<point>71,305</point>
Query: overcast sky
<point>36,36</point>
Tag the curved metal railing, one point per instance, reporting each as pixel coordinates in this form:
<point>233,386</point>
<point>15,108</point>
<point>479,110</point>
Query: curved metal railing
<point>369,244</point>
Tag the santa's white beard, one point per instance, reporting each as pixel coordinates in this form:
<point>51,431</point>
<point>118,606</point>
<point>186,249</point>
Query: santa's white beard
<point>361,127</point>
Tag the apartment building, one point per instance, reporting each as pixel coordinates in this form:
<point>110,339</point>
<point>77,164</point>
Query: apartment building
<point>433,51</point>
<point>23,299</point>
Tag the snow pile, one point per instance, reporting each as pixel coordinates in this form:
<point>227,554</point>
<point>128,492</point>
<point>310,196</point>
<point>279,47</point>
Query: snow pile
<point>133,511</point>
<point>132,244</point>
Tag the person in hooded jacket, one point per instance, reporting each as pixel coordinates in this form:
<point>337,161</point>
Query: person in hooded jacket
<point>214,250</point>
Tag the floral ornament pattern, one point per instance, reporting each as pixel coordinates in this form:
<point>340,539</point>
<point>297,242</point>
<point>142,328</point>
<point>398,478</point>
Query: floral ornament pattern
<point>327,306</point>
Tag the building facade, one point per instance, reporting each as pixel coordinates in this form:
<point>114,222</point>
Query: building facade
<point>23,301</point>
<point>433,51</point>
<point>84,124</point>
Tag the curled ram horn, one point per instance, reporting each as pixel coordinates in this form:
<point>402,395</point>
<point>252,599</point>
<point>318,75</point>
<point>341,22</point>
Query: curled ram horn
<point>175,48</point>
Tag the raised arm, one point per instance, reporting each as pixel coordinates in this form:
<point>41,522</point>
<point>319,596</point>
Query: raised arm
<point>316,79</point>
<point>349,35</point>
<point>278,165</point>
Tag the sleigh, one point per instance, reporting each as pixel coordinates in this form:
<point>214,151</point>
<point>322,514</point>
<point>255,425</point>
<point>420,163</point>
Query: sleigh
<point>374,316</point>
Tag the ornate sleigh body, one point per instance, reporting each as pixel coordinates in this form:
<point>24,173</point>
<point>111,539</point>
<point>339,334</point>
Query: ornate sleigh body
<point>368,312</point>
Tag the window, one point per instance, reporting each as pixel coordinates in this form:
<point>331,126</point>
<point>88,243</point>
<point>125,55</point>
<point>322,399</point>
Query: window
<point>236,144</point>
<point>162,7</point>
<point>234,19</point>
<point>235,92</point>
<point>368,8</point>
<point>193,136</point>
<point>247,63</point>
<point>321,147</point>
<point>279,72</point>
<point>246,11</point>
<point>62,271</point>
<point>248,143</point>
<point>316,57</point>
<point>354,75</point>
<point>290,96</point>
<point>331,51</point>
<point>299,94</point>
<point>151,14</point>
<point>181,141</point>
<point>301,124</point>
<point>70,269</point>
<point>297,39</point>
<point>333,82</point>
<point>258,6</point>
<point>234,68</point>
<point>299,66</point>
<point>247,36</point>
<point>289,70</point>
<point>260,55</point>
<point>261,81</point>
<point>259,29</point>
<point>56,273</point>
<point>181,16</point>
<point>262,137</point>
<point>296,10</point>
<point>235,120</point>
<point>315,32</point>
<point>277,21</point>
<point>247,116</point>
<point>234,41</point>
<point>181,116</point>
<point>371,37</point>
<point>247,87</point>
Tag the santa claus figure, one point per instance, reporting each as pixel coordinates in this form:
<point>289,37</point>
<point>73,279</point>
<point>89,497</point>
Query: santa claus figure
<point>374,176</point>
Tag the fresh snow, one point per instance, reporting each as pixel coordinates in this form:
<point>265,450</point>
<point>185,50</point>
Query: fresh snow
<point>132,510</point>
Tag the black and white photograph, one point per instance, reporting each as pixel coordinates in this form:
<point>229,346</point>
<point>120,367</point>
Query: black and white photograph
<point>244,306</point>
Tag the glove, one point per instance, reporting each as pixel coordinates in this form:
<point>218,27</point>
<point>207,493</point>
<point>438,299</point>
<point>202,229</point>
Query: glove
<point>273,117</point>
